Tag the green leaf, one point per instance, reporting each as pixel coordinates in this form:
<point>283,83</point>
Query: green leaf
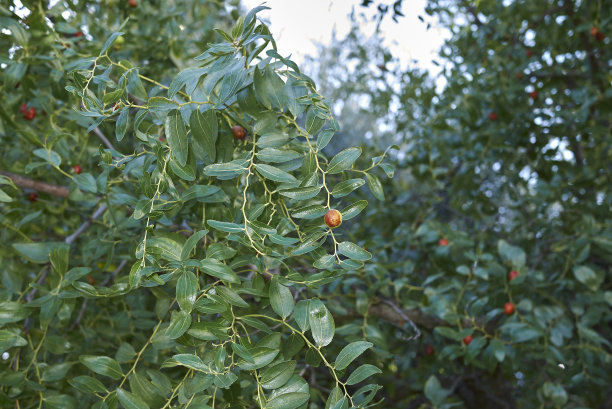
<point>281,298</point>
<point>321,323</point>
<point>336,399</point>
<point>179,324</point>
<point>59,258</point>
<point>272,139</point>
<point>513,255</point>
<point>353,251</point>
<point>301,315</point>
<point>230,296</point>
<point>48,155</point>
<point>87,384</point>
<point>205,130</point>
<point>85,182</point>
<point>309,212</point>
<point>221,271</point>
<point>587,277</point>
<point>362,373</point>
<point>191,242</point>
<point>110,41</point>
<point>199,192</point>
<point>130,401</point>
<point>375,186</point>
<point>434,391</point>
<point>169,249</point>
<point>353,209</point>
<point>344,188</point>
<point>56,372</point>
<point>186,291</point>
<point>343,160</point>
<point>36,252</point>
<point>187,78</point>
<point>102,365</point>
<point>9,340</point>
<point>242,352</point>
<point>122,123</point>
<point>324,137</point>
<point>161,104</point>
<point>226,170</point>
<point>291,400</point>
<point>262,356</point>
<point>274,155</point>
<point>314,122</point>
<point>350,352</point>
<point>177,136</point>
<point>301,193</point>
<point>275,174</point>
<point>277,375</point>
<point>11,311</point>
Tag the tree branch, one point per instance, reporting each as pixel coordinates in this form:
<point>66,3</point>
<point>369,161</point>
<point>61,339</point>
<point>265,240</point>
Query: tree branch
<point>53,190</point>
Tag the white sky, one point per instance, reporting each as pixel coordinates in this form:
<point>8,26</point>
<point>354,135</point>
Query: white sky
<point>297,24</point>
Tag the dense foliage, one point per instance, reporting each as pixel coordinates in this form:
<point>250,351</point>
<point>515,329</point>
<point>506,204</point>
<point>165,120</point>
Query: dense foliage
<point>169,247</point>
<point>502,194</point>
<point>164,187</point>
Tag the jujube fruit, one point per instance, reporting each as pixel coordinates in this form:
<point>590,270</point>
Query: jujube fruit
<point>238,132</point>
<point>333,218</point>
<point>512,275</point>
<point>509,308</point>
<point>32,197</point>
<point>443,242</point>
<point>468,339</point>
<point>30,114</point>
<point>77,169</point>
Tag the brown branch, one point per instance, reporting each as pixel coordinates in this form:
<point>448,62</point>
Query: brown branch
<point>53,190</point>
<point>104,139</point>
<point>114,273</point>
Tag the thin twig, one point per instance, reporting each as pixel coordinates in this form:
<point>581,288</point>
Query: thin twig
<point>405,318</point>
<point>104,139</point>
<point>70,239</point>
<point>114,273</point>
<point>79,317</point>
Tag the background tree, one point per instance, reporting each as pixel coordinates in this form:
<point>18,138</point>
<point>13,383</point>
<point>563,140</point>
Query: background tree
<point>495,237</point>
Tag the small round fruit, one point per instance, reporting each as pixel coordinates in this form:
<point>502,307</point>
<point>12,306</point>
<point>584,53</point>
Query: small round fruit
<point>533,95</point>
<point>77,169</point>
<point>32,197</point>
<point>91,280</point>
<point>333,218</point>
<point>429,350</point>
<point>119,40</point>
<point>512,275</point>
<point>133,3</point>
<point>519,75</point>
<point>468,339</point>
<point>529,53</point>
<point>509,308</point>
<point>238,132</point>
<point>23,108</point>
<point>600,36</point>
<point>493,116</point>
<point>594,31</point>
<point>30,114</point>
<point>443,242</point>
